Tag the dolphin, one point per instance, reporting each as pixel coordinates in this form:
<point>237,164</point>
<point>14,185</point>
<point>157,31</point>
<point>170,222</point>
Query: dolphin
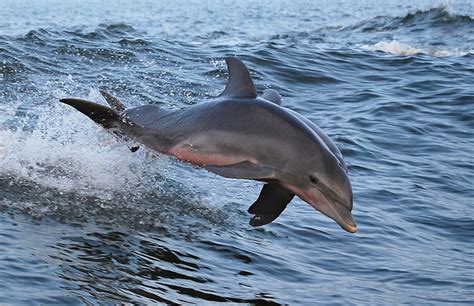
<point>242,135</point>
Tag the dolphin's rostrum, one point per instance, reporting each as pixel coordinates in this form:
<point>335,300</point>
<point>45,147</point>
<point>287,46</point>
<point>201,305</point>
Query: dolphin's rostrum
<point>241,135</point>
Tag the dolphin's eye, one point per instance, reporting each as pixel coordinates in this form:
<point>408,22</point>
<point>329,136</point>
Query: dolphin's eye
<point>313,179</point>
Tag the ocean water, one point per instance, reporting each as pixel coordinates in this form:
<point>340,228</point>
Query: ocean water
<point>85,221</point>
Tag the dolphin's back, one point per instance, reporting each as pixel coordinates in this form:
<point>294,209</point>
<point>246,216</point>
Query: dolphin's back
<point>325,138</point>
<point>146,115</point>
<point>237,127</point>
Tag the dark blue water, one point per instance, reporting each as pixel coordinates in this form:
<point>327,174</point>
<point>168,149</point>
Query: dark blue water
<point>83,220</point>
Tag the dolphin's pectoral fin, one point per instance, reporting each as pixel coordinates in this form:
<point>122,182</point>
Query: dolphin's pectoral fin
<point>240,84</point>
<point>271,202</point>
<point>272,95</point>
<point>242,170</point>
<point>113,101</point>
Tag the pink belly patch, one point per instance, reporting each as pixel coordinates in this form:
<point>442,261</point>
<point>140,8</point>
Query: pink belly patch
<point>189,154</point>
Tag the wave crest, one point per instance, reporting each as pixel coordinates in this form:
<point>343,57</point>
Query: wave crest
<point>435,17</point>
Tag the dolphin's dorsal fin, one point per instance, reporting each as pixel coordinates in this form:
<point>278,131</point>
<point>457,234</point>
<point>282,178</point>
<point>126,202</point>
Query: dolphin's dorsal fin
<point>240,84</point>
<point>272,95</point>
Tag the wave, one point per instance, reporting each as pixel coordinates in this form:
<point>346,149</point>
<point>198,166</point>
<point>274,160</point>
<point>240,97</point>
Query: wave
<point>436,17</point>
<point>398,48</point>
<point>439,16</point>
<point>119,34</point>
<point>436,32</point>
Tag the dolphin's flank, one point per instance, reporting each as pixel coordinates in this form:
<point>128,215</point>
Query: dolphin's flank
<point>242,135</point>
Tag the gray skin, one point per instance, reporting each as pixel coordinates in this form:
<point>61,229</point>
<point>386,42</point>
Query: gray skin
<point>240,135</point>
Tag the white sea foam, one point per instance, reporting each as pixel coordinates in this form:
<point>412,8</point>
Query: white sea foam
<point>399,48</point>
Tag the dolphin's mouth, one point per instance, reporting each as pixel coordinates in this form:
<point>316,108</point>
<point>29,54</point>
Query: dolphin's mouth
<point>329,204</point>
<point>333,203</point>
<point>342,216</point>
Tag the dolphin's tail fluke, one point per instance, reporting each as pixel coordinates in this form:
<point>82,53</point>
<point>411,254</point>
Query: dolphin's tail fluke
<point>114,102</point>
<point>109,118</point>
<point>103,115</point>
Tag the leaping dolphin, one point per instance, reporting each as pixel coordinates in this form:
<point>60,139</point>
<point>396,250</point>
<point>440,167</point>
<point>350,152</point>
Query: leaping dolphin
<point>239,134</point>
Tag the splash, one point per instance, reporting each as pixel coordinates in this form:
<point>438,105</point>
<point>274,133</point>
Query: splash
<point>56,162</point>
<point>65,152</point>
